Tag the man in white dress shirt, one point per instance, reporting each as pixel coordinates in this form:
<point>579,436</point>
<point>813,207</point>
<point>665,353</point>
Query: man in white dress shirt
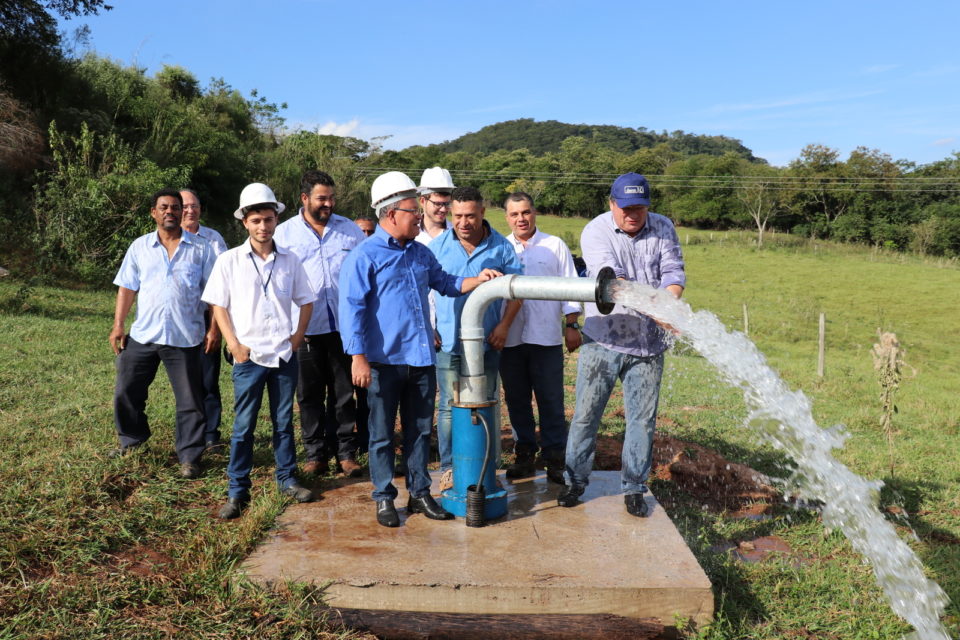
<point>252,291</point>
<point>532,360</point>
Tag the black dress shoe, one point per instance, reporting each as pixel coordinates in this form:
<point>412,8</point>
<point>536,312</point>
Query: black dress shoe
<point>428,507</point>
<point>232,508</point>
<point>298,492</point>
<point>189,470</point>
<point>570,495</point>
<point>387,514</point>
<point>636,505</point>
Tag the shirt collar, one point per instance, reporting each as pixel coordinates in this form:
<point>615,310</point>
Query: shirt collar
<point>185,236</point>
<point>246,247</point>
<point>536,238</point>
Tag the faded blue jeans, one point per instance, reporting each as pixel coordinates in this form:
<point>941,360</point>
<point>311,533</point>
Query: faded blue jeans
<point>249,381</point>
<point>448,371</point>
<point>597,371</point>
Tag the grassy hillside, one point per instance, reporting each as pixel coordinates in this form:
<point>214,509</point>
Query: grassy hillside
<point>94,547</point>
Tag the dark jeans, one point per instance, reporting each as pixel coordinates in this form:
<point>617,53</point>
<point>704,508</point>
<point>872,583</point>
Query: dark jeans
<point>249,381</point>
<point>212,406</point>
<point>137,366</point>
<point>323,365</point>
<point>529,370</point>
<point>412,391</point>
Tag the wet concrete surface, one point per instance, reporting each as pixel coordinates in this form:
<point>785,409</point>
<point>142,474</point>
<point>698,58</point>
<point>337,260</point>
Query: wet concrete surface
<point>539,558</point>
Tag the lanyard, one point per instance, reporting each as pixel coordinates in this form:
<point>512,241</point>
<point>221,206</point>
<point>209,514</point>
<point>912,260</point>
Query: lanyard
<point>260,275</point>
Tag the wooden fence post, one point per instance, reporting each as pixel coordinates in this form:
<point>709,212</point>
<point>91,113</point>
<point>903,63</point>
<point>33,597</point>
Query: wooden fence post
<point>746,320</point>
<point>822,344</point>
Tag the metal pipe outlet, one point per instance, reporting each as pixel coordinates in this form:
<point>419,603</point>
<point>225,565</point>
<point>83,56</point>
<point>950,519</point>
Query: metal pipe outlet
<point>513,287</point>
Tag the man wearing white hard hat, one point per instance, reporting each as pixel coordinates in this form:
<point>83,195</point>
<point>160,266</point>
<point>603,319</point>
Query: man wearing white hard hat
<point>164,272</point>
<point>322,240</point>
<point>385,329</point>
<point>253,290</point>
<point>436,183</point>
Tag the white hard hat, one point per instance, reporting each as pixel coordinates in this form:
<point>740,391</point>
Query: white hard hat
<point>436,179</point>
<point>390,187</point>
<point>257,193</point>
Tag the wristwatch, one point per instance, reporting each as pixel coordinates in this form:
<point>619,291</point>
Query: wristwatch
<point>573,325</point>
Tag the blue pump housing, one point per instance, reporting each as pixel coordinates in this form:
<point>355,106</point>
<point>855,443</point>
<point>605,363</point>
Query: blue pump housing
<point>470,439</point>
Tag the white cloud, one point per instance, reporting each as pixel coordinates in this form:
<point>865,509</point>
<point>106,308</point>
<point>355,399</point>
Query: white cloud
<point>942,142</point>
<point>331,128</point>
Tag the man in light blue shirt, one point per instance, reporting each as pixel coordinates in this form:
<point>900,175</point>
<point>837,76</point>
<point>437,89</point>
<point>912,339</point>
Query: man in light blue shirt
<point>212,404</point>
<point>639,246</point>
<point>322,240</point>
<point>468,247</point>
<point>164,272</point>
<point>387,332</point>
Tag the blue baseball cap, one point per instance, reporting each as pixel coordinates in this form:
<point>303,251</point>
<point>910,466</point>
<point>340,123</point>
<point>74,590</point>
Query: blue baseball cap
<point>629,190</point>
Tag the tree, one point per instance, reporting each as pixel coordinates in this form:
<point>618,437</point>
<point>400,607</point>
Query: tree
<point>760,196</point>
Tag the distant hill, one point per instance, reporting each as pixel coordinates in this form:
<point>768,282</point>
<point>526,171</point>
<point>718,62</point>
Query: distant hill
<point>542,137</point>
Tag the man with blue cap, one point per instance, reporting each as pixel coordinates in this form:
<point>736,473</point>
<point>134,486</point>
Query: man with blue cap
<point>640,246</point>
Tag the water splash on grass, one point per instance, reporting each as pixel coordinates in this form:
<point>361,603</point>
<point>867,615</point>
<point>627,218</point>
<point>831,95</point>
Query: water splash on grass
<point>783,419</point>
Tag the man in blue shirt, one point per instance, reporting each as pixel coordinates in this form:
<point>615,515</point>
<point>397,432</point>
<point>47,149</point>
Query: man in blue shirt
<point>386,330</point>
<point>164,272</point>
<point>468,247</point>
<point>640,246</point>
<point>322,240</point>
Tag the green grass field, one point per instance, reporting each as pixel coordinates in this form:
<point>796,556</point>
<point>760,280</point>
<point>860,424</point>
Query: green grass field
<point>92,547</point>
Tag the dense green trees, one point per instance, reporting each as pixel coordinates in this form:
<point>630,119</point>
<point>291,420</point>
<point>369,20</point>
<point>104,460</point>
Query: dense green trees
<point>84,141</point>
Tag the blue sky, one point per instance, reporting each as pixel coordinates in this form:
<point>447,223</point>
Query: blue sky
<point>776,75</point>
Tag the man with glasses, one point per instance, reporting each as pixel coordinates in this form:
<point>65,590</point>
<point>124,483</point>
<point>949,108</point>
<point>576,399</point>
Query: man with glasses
<point>434,191</point>
<point>212,404</point>
<point>164,272</point>
<point>383,318</point>
<point>322,240</point>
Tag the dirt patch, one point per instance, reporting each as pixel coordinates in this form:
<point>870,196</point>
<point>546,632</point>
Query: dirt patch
<point>144,562</point>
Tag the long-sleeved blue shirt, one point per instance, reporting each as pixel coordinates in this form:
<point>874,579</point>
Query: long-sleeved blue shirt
<point>383,300</point>
<point>493,252</point>
<point>652,257</point>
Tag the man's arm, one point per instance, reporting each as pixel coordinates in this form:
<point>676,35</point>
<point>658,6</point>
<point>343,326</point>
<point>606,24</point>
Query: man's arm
<point>498,337</point>
<point>118,338</point>
<point>296,340</point>
<point>572,337</point>
<point>211,341</point>
<point>469,284</point>
<point>240,352</point>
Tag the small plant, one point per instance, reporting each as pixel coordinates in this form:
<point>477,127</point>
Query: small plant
<point>888,361</point>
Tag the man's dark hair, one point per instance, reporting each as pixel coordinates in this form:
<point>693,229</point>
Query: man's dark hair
<point>519,196</point>
<point>367,217</point>
<point>256,208</point>
<point>313,177</point>
<point>466,194</point>
<point>188,190</point>
<point>166,191</point>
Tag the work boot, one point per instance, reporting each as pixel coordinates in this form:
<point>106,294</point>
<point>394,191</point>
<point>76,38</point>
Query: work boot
<point>555,464</point>
<point>387,514</point>
<point>570,495</point>
<point>636,505</point>
<point>232,508</point>
<point>189,470</point>
<point>523,465</point>
<point>428,507</point>
<point>350,468</point>
<point>297,492</point>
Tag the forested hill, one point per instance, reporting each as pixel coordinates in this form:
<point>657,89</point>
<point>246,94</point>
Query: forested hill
<point>543,137</point>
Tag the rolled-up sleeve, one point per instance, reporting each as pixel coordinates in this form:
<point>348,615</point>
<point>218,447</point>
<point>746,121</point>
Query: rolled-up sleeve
<point>671,260</point>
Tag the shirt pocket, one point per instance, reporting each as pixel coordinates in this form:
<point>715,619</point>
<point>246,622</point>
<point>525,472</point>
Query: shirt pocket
<point>282,283</point>
<point>188,275</point>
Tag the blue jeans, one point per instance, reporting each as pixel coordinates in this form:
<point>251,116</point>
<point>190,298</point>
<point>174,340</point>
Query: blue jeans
<point>528,370</point>
<point>412,391</point>
<point>249,380</point>
<point>597,372</point>
<point>448,372</point>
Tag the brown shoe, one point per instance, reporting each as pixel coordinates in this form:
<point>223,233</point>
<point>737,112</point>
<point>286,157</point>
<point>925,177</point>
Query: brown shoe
<point>312,466</point>
<point>350,468</point>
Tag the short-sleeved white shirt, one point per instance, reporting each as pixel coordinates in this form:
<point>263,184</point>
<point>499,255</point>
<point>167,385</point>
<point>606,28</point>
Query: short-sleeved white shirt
<point>259,296</point>
<point>539,321</point>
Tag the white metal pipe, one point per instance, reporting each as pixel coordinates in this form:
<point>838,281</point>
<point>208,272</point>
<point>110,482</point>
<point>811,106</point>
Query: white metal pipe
<point>509,287</point>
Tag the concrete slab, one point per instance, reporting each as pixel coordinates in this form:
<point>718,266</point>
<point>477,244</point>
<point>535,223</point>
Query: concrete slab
<point>538,559</point>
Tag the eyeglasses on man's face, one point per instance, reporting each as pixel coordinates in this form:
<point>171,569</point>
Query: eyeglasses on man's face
<point>439,205</point>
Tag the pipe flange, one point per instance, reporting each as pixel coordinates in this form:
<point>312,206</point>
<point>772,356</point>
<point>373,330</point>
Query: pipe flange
<point>606,275</point>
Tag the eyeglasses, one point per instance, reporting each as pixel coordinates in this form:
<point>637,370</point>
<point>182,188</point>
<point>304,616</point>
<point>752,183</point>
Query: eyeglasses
<point>415,212</point>
<point>439,205</point>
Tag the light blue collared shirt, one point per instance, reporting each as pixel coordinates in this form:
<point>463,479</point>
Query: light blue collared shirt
<point>169,309</point>
<point>322,258</point>
<point>214,238</point>
<point>652,257</point>
<point>383,300</point>
<point>493,252</point>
